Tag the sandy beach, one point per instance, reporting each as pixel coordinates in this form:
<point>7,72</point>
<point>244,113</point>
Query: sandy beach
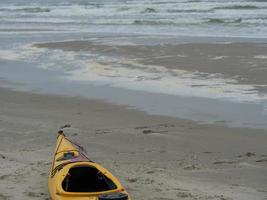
<point>170,96</point>
<point>154,157</point>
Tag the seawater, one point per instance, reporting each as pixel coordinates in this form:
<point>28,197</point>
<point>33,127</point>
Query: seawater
<point>150,88</point>
<point>242,18</point>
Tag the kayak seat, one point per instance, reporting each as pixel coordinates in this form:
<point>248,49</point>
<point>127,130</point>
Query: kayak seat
<point>87,179</point>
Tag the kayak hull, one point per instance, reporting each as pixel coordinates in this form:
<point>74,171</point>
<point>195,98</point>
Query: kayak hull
<point>75,177</point>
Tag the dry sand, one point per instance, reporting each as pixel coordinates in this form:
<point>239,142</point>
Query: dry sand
<point>155,157</point>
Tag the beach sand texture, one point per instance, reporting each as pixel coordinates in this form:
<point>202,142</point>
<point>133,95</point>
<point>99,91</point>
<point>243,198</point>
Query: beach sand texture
<point>170,96</point>
<point>154,157</point>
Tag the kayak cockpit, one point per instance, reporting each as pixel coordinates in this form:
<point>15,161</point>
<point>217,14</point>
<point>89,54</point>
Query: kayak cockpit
<point>85,178</point>
<point>74,176</point>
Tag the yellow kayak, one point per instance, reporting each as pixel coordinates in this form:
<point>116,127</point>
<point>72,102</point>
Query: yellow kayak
<point>74,177</point>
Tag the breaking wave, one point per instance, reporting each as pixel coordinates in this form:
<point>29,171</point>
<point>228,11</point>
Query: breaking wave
<point>27,10</point>
<point>153,22</point>
<point>223,21</point>
<point>237,7</point>
<point>149,10</point>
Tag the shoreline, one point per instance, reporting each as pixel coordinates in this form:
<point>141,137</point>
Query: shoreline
<point>167,158</point>
<point>244,62</point>
<point>115,68</point>
<point>169,96</point>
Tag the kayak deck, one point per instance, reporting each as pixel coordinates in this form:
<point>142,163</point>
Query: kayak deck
<point>74,176</point>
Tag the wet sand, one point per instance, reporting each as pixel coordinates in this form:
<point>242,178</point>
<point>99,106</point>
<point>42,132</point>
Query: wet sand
<point>154,157</point>
<point>244,62</point>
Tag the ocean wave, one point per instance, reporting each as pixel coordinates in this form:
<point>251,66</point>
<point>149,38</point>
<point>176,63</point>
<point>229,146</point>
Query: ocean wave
<point>36,10</point>
<point>27,10</point>
<point>199,22</point>
<point>122,9</point>
<point>149,10</point>
<point>188,11</point>
<point>151,78</point>
<point>258,1</point>
<point>223,21</point>
<point>171,16</point>
<point>91,4</point>
<point>237,7</point>
<point>153,22</point>
<point>163,2</point>
<point>230,7</point>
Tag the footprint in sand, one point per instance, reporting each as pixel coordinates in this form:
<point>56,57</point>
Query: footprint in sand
<point>184,195</point>
<point>207,152</point>
<point>34,194</point>
<point>191,167</point>
<point>261,160</point>
<point>141,127</point>
<point>225,162</point>
<point>166,125</point>
<point>3,177</point>
<point>2,156</point>
<point>102,131</point>
<point>189,195</point>
<point>3,197</point>
<point>31,194</point>
<point>132,180</point>
<point>248,154</point>
<point>148,181</point>
<point>149,131</point>
<point>44,174</point>
<point>150,172</point>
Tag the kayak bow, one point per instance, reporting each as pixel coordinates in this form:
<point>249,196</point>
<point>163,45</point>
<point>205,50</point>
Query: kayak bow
<point>75,177</point>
